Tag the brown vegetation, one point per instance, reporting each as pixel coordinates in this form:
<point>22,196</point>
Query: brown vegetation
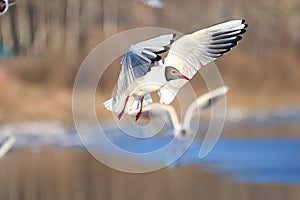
<point>51,39</point>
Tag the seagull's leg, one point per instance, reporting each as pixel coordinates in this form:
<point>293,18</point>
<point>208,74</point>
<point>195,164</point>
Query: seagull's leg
<point>122,112</point>
<point>141,110</point>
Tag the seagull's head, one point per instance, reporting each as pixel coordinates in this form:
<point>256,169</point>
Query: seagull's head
<point>172,73</point>
<point>183,133</point>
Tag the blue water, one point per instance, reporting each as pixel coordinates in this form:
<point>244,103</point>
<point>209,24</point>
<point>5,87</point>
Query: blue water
<point>262,160</point>
<point>243,160</point>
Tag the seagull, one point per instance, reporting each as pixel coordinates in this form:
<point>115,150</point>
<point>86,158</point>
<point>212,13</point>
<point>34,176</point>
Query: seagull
<point>6,143</point>
<point>143,71</point>
<point>139,75</point>
<point>158,4</point>
<point>4,6</point>
<point>182,130</point>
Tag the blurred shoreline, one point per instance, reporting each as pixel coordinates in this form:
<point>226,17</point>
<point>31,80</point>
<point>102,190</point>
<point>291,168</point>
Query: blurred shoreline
<point>46,43</point>
<point>69,174</point>
<point>33,90</point>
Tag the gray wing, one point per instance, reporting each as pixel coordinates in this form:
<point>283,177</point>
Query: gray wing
<point>138,61</point>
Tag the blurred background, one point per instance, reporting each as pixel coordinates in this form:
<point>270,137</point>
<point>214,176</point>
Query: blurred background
<point>42,44</point>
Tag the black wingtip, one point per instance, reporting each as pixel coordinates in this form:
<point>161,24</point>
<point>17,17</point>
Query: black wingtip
<point>243,31</point>
<point>166,48</point>
<point>171,42</point>
<point>238,38</point>
<point>157,58</point>
<point>243,21</point>
<point>174,35</point>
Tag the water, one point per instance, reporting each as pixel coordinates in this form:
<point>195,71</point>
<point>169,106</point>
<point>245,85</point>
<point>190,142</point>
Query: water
<point>246,160</point>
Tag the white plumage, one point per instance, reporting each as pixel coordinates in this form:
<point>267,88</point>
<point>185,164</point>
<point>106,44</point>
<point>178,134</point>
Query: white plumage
<point>190,52</point>
<point>158,4</point>
<point>182,129</point>
<point>6,143</point>
<point>139,76</point>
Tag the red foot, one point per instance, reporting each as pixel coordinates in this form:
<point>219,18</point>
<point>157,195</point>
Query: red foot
<point>138,116</point>
<point>141,110</point>
<point>120,114</point>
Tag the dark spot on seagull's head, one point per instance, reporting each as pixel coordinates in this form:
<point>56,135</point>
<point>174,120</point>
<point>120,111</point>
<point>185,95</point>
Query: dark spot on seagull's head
<point>171,73</point>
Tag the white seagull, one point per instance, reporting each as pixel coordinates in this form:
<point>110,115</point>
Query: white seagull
<point>182,130</point>
<point>158,4</point>
<point>4,6</point>
<point>6,143</point>
<point>140,75</point>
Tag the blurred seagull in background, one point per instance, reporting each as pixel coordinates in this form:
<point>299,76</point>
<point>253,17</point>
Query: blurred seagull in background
<point>158,4</point>
<point>182,130</point>
<point>141,74</point>
<point>6,143</point>
<point>4,6</point>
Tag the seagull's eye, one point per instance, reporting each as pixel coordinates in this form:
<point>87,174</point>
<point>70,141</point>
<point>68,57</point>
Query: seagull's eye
<point>173,72</point>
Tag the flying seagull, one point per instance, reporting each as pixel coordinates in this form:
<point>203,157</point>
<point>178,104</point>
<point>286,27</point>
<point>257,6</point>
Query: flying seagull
<point>182,130</point>
<point>158,4</point>
<point>4,6</point>
<point>6,143</point>
<point>140,74</point>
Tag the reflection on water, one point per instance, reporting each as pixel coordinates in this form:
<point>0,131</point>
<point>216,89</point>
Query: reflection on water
<point>73,174</point>
<point>57,166</point>
<point>252,160</point>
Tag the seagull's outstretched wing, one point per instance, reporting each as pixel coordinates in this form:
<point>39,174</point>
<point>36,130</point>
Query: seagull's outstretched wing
<point>190,52</point>
<point>203,102</point>
<point>153,3</point>
<point>137,62</point>
<point>6,143</point>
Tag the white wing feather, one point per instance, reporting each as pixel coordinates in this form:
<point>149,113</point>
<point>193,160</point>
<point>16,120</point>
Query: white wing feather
<point>203,102</point>
<point>135,64</point>
<point>190,52</point>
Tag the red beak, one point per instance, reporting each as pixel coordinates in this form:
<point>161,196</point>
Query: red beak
<point>185,77</point>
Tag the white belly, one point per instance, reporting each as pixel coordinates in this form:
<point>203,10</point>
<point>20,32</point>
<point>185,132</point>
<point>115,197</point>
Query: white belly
<point>146,88</point>
<point>153,81</point>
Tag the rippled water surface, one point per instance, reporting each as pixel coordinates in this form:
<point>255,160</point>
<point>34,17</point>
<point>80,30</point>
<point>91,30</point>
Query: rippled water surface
<point>55,165</point>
